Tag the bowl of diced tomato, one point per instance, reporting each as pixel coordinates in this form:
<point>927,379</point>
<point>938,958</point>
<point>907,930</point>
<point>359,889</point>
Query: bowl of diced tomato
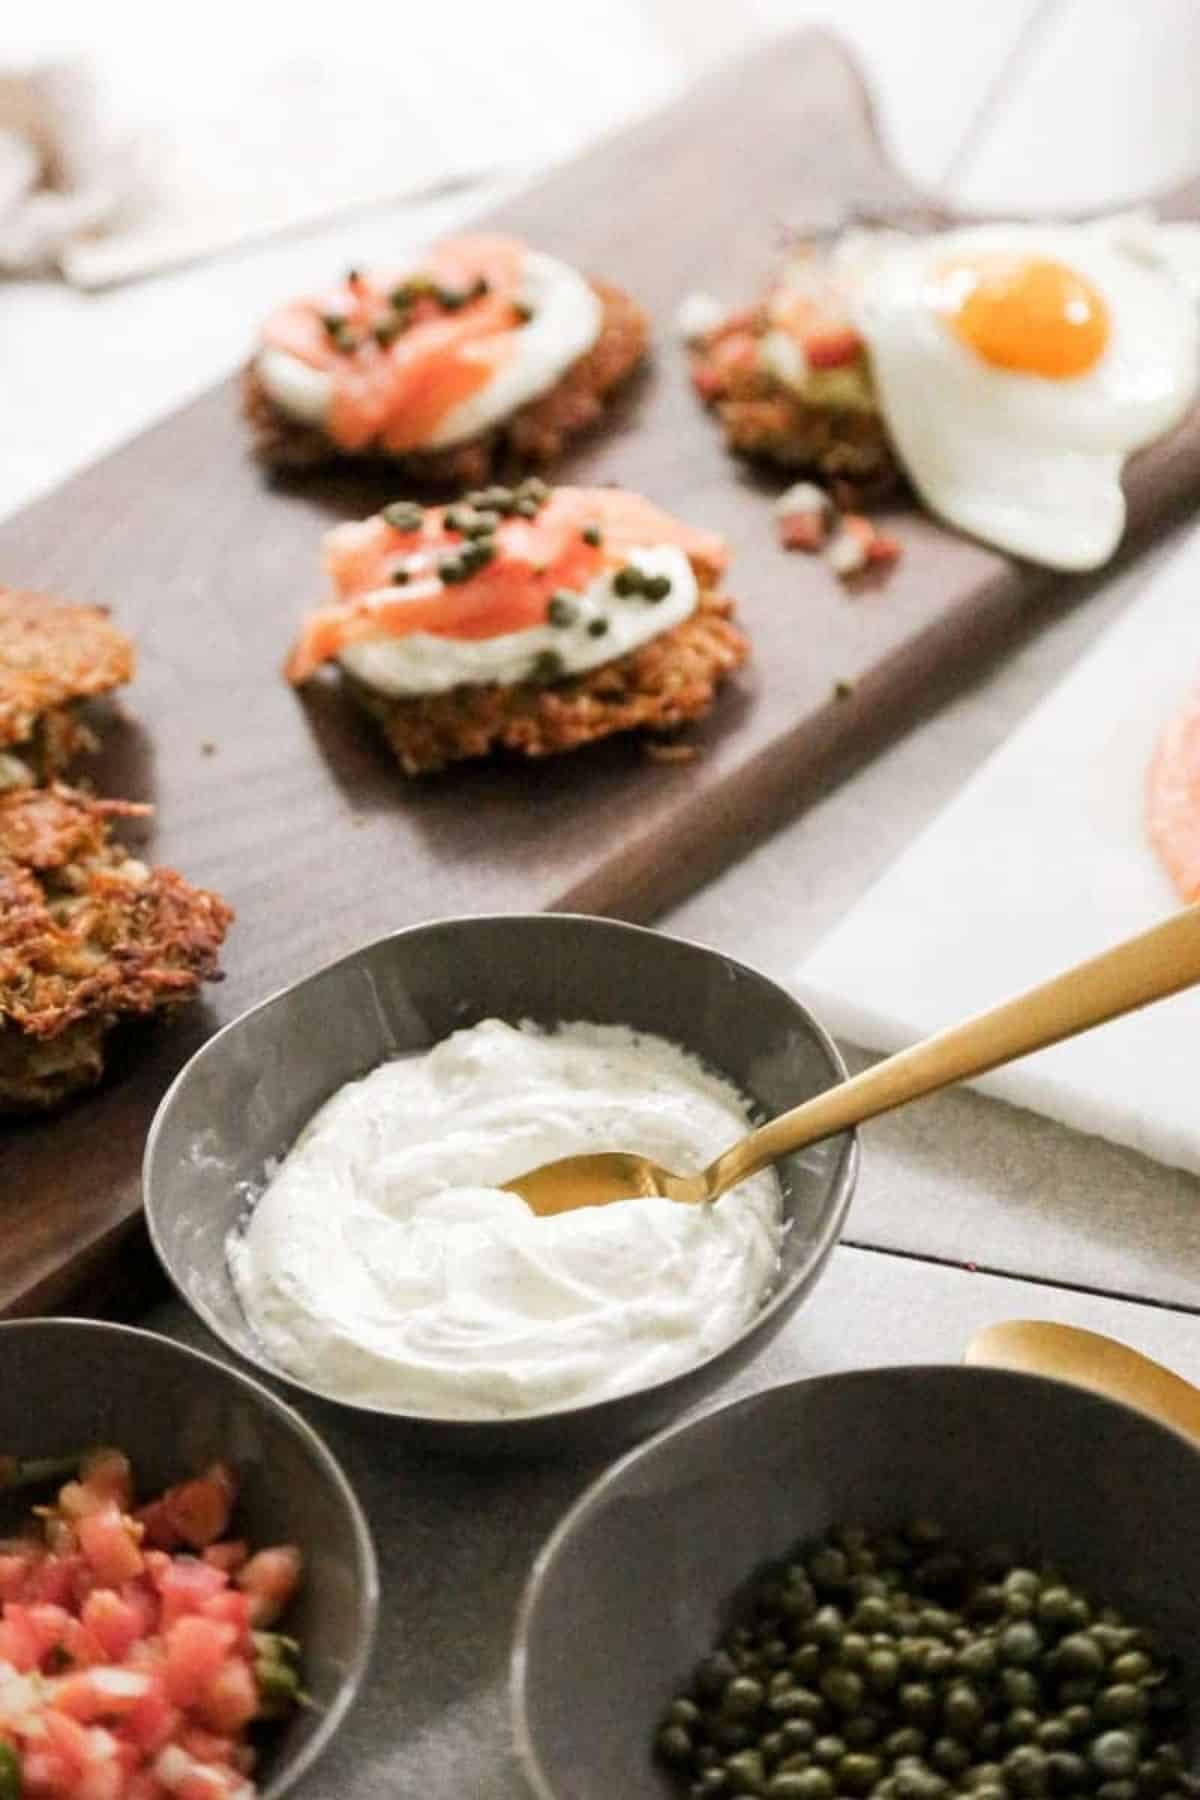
<point>188,1587</point>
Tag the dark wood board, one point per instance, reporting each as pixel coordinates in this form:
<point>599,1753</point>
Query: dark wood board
<point>290,806</point>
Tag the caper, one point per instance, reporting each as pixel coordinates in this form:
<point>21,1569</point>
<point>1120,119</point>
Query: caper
<point>807,1784</point>
<point>858,1772</point>
<point>842,1688</point>
<point>683,1712</point>
<point>1121,1704</point>
<point>1054,1606</point>
<point>628,580</point>
<point>962,1710</point>
<point>710,1783</point>
<point>871,1614</point>
<point>987,1774</point>
<point>1019,1643</point>
<point>403,515</point>
<point>746,1772</point>
<point>1131,1665</point>
<point>1067,1771</point>
<point>908,1741</point>
<point>918,1703</point>
<point>1019,1687</point>
<point>882,1670</point>
<point>1053,1734</point>
<point>806,1660</point>
<point>826,1626</point>
<point>978,1658</point>
<point>1114,1754</point>
<point>948,1756</point>
<point>1117,1790</point>
<point>547,666</point>
<point>1020,1724</point>
<point>1079,1655</point>
<point>915,1783</point>
<point>742,1697</point>
<point>862,1728</point>
<point>772,1746</point>
<point>1078,1718</point>
<point>797,1734</point>
<point>592,534</point>
<point>829,1750</point>
<point>1026,1771</point>
<point>939,1660</point>
<point>657,587</point>
<point>675,1745</point>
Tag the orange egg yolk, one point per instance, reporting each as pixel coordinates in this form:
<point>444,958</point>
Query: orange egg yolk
<point>1028,314</point>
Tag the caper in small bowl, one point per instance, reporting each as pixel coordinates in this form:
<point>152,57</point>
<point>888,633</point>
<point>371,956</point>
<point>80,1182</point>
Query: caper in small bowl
<point>910,1583</point>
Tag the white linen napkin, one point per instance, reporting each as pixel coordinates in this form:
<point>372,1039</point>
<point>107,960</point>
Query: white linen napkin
<point>1041,860</point>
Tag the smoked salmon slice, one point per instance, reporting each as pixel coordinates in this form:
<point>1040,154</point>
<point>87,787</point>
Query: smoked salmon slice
<point>1173,798</point>
<point>403,352</point>
<point>403,570</point>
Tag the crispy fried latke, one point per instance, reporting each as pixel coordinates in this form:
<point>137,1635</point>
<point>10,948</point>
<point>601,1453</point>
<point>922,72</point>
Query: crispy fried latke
<point>767,421</point>
<point>534,436</point>
<point>88,936</point>
<point>51,654</point>
<point>664,684</point>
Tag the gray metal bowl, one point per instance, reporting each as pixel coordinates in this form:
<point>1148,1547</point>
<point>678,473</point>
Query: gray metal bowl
<point>638,1580</point>
<point>66,1384</point>
<point>244,1097</point>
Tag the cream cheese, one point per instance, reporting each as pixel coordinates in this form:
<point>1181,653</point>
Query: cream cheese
<point>383,1264</point>
<point>422,663</point>
<point>565,322</point>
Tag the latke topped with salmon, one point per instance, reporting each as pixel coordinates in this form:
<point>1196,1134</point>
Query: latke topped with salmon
<point>52,655</point>
<point>530,619</point>
<point>485,353</point>
<point>89,936</point>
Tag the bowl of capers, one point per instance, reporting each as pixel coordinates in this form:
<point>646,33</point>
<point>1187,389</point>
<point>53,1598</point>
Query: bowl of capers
<point>892,1584</point>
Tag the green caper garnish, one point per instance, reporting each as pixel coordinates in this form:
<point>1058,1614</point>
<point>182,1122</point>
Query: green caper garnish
<point>657,587</point>
<point>628,580</point>
<point>403,515</point>
<point>1114,1754</point>
<point>925,1673</point>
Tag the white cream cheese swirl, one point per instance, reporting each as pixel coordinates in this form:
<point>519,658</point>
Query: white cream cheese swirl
<point>383,1264</point>
<point>604,625</point>
<point>565,321</point>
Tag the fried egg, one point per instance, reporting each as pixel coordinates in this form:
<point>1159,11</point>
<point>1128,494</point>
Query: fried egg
<point>1018,366</point>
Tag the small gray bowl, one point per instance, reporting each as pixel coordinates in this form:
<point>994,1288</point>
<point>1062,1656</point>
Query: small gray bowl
<point>643,1573</point>
<point>66,1384</point>
<point>243,1098</point>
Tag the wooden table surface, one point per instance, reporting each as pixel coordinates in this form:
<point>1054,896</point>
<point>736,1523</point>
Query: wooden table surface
<point>967,1211</point>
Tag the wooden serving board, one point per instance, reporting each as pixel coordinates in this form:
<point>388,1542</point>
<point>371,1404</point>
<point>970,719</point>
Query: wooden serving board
<point>291,807</point>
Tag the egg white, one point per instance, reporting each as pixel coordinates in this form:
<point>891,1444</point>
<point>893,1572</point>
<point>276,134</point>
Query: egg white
<point>1026,462</point>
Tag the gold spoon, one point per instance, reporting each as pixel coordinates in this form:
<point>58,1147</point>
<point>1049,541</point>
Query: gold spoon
<point>1148,967</point>
<point>1090,1360</point>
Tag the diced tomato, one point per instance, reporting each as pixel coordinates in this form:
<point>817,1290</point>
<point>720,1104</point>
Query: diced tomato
<point>49,1625</point>
<point>83,1649</point>
<point>157,1527</point>
<point>185,1585</point>
<point>229,1555</point>
<point>100,1693</point>
<point>55,1580</point>
<point>195,1648</point>
<point>200,1510</point>
<point>230,1700</point>
<point>18,1640</point>
<point>15,1566</point>
<point>154,1721</point>
<point>232,1608</point>
<point>75,1501</point>
<point>270,1578</point>
<point>207,1746</point>
<point>831,346</point>
<point>116,1623</point>
<point>107,1540</point>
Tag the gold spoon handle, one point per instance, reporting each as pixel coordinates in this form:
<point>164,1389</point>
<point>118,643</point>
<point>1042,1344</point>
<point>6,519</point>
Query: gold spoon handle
<point>1148,967</point>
